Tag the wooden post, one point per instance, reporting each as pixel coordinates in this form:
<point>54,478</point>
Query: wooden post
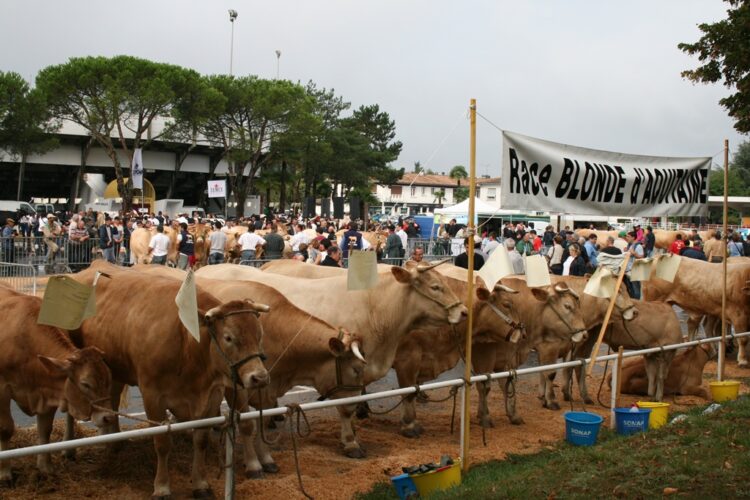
<point>611,307</point>
<point>470,288</point>
<point>722,347</point>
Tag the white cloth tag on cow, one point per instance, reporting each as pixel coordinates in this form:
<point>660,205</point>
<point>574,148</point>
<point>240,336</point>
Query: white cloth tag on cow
<point>187,306</point>
<point>601,284</point>
<point>497,267</point>
<point>667,265</point>
<point>537,273</point>
<point>66,303</point>
<point>362,273</point>
<point>641,270</point>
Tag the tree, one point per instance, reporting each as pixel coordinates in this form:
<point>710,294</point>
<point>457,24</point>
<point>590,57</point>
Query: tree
<point>738,178</point>
<point>417,167</point>
<point>439,195</point>
<point>460,194</point>
<point>24,121</point>
<point>724,49</point>
<point>256,113</point>
<point>457,173</point>
<point>116,100</point>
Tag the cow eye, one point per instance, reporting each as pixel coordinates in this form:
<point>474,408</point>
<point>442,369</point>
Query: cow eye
<point>568,307</point>
<point>86,386</point>
<point>435,287</point>
<point>227,339</point>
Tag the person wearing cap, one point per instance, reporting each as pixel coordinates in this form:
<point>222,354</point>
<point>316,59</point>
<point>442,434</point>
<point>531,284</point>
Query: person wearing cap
<point>649,242</point>
<point>620,241</point>
<point>9,232</point>
<point>463,259</point>
<point>635,251</point>
<point>51,230</point>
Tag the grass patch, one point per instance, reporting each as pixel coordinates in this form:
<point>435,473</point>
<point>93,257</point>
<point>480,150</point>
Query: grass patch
<point>705,456</point>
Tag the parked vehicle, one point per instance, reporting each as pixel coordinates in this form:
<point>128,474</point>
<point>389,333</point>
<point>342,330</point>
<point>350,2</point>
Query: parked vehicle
<point>14,210</point>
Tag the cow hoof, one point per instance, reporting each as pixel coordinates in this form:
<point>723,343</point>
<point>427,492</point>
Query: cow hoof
<point>355,453</point>
<point>410,432</point>
<point>588,401</point>
<point>552,405</point>
<point>742,364</point>
<point>516,420</point>
<point>254,474</point>
<point>271,468</point>
<point>566,397</point>
<point>487,423</point>
<point>203,493</point>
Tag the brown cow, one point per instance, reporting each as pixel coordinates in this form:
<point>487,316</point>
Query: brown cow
<point>402,301</point>
<point>685,375</point>
<point>697,290</point>
<point>41,370</point>
<point>311,358</point>
<point>552,317</point>
<point>138,328</point>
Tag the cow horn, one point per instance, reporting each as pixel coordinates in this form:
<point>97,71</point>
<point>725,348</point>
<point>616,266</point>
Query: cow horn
<point>256,306</point>
<point>503,288</point>
<point>563,288</point>
<point>423,268</point>
<point>357,352</point>
<point>213,313</point>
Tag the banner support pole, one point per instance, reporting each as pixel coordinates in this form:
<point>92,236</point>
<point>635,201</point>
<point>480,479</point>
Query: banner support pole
<point>610,308</point>
<point>470,285</point>
<point>725,248</point>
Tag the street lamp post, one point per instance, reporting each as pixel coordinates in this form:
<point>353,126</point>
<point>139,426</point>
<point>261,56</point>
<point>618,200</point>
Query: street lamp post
<point>232,17</point>
<point>278,59</point>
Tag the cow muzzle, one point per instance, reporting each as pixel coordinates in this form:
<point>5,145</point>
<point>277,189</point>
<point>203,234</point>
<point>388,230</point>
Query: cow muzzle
<point>630,313</point>
<point>579,336</point>
<point>255,379</point>
<point>457,313</point>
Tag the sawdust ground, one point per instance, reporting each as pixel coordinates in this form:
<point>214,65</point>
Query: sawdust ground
<point>128,473</point>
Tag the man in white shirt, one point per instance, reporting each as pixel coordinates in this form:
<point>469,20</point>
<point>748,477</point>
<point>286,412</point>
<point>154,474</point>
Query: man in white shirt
<point>515,258</point>
<point>491,244</point>
<point>158,247</point>
<point>402,234</point>
<point>299,237</point>
<point>249,241</point>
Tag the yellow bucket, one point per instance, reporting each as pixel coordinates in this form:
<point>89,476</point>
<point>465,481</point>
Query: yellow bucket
<point>659,413</point>
<point>438,480</point>
<point>726,390</point>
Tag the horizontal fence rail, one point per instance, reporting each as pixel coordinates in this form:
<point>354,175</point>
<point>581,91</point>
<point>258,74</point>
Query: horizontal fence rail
<point>316,405</point>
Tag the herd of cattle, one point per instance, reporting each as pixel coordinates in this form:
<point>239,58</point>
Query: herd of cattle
<point>264,331</point>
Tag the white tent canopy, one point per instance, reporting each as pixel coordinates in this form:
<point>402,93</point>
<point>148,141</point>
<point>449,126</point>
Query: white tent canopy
<point>481,209</point>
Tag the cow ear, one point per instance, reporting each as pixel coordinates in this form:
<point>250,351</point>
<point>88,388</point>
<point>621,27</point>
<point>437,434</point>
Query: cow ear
<point>336,347</point>
<point>55,365</point>
<point>401,274</point>
<point>483,294</point>
<point>540,294</point>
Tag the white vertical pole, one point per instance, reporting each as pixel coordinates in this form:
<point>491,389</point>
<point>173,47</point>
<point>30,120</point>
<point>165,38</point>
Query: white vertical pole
<point>229,464</point>
<point>613,397</point>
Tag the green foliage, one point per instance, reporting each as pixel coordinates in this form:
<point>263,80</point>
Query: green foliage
<point>459,172</point>
<point>24,120</point>
<point>724,50</point>
<point>460,194</point>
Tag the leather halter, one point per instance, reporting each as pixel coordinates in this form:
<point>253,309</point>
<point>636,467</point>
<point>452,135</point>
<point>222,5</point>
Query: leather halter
<point>235,367</point>
<point>571,330</point>
<point>447,307</point>
<point>508,320</point>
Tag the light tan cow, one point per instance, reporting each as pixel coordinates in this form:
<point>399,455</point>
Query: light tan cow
<point>300,348</point>
<point>697,290</point>
<point>145,344</point>
<point>297,269</point>
<point>141,237</point>
<point>685,374</point>
<point>41,370</point>
<point>402,301</point>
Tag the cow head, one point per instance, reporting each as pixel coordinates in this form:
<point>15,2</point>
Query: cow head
<point>348,371</point>
<point>502,321</point>
<point>562,316</point>
<point>436,300</point>
<point>625,306</point>
<point>237,339</point>
<point>88,383</point>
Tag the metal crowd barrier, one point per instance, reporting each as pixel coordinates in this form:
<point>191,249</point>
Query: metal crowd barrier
<point>52,256</point>
<point>20,277</point>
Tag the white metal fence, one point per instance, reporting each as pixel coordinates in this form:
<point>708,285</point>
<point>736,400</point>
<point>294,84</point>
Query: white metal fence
<point>21,277</point>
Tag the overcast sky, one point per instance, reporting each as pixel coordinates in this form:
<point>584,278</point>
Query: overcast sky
<point>599,74</point>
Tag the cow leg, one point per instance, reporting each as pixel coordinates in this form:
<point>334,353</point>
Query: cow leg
<point>742,361</point>
<point>352,449</point>
<point>546,387</point>
<point>407,377</point>
<point>201,488</point>
<point>69,433</point>
<point>509,395</point>
<point>651,372</point>
<point>483,413</point>
<point>567,383</point>
<point>44,431</point>
<point>155,410</point>
<point>693,327</point>
<point>256,455</point>
<point>7,429</point>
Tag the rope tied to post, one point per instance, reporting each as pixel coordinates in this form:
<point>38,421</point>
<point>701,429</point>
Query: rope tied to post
<point>296,409</point>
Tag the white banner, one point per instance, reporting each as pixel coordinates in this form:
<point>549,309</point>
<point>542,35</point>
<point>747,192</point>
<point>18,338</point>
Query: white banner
<point>136,168</point>
<point>551,177</point>
<point>217,189</point>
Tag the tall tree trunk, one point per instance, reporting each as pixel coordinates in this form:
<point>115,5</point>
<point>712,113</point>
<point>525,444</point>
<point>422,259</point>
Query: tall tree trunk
<point>282,188</point>
<point>123,188</point>
<point>179,159</point>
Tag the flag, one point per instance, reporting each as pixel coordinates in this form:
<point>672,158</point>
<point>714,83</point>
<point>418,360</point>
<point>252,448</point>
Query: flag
<point>641,270</point>
<point>136,169</point>
<point>362,273</point>
<point>497,267</point>
<point>187,306</point>
<point>537,273</point>
<point>611,262</point>
<point>602,283</point>
<point>217,189</point>
<point>66,303</point>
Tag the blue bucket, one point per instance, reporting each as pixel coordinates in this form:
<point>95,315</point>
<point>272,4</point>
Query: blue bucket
<point>405,487</point>
<point>630,422</point>
<point>582,428</point>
